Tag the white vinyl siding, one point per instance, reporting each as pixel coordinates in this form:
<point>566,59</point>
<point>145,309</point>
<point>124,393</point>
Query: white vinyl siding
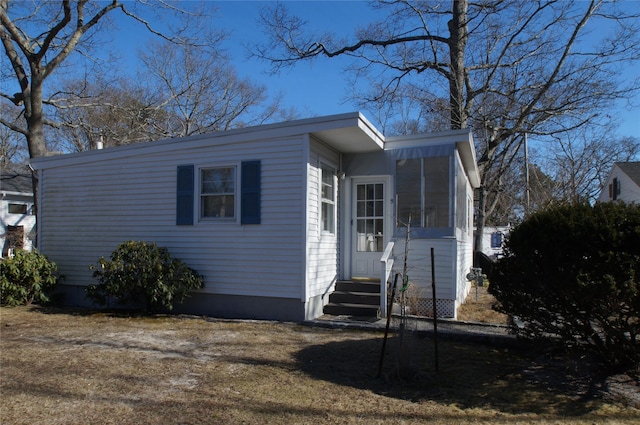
<point>419,264</point>
<point>464,264</point>
<point>90,206</point>
<point>8,218</point>
<point>628,190</point>
<point>322,261</point>
<point>453,260</point>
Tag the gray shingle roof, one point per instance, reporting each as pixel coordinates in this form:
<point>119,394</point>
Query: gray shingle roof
<point>15,180</point>
<point>631,169</point>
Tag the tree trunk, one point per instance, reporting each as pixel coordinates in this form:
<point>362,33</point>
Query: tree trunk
<point>34,117</point>
<point>480,221</point>
<point>458,37</point>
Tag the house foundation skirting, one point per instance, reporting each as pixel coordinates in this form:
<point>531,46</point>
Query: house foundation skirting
<point>424,307</point>
<point>216,305</point>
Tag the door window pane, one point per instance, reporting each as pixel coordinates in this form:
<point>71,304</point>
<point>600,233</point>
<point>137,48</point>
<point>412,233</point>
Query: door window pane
<point>370,217</point>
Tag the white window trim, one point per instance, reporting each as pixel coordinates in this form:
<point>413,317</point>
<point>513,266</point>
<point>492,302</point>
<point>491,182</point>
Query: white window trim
<point>327,165</point>
<point>28,208</point>
<point>236,194</point>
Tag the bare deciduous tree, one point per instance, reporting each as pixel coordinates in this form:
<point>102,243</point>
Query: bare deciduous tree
<point>200,91</point>
<point>505,68</point>
<point>39,37</point>
<point>179,91</point>
<point>113,112</point>
<point>580,162</point>
<point>12,148</point>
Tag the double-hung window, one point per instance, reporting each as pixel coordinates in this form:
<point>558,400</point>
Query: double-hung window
<point>328,199</point>
<point>217,193</point>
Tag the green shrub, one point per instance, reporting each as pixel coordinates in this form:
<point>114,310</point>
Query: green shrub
<point>143,274</point>
<point>574,272</point>
<point>27,278</point>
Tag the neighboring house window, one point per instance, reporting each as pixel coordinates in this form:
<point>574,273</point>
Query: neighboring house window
<point>217,193</point>
<point>496,240</point>
<point>422,186</point>
<point>328,196</point>
<point>14,239</point>
<point>18,209</point>
<point>614,189</point>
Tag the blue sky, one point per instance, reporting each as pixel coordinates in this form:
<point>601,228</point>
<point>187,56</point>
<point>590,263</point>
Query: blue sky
<point>318,87</point>
<point>313,88</point>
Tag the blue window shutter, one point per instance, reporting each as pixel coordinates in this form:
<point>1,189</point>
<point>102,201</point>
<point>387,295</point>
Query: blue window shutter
<point>250,193</point>
<point>184,198</point>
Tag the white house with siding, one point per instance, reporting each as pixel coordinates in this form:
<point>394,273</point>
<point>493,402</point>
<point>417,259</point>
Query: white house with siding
<point>623,183</point>
<point>16,211</point>
<point>273,216</point>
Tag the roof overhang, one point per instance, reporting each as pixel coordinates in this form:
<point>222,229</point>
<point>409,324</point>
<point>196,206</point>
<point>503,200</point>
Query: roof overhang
<point>12,193</point>
<point>351,133</point>
<point>467,151</point>
<point>346,133</point>
<point>462,139</point>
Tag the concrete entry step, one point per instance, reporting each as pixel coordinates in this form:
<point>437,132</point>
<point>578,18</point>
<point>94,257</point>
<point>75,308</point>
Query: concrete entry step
<point>359,298</point>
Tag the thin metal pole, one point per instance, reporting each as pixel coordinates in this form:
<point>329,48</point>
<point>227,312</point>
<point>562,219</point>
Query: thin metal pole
<point>386,332</point>
<point>526,175</point>
<point>435,313</point>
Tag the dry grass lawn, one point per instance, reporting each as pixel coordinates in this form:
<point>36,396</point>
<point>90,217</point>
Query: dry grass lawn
<point>477,308</point>
<point>76,367</point>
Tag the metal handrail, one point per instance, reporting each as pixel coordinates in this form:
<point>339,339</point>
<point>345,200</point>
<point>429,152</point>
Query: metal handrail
<point>385,271</point>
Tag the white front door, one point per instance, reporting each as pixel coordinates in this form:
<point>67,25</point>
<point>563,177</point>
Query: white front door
<point>368,226</point>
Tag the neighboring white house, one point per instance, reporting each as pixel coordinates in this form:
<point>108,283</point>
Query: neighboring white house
<point>16,207</point>
<point>623,183</point>
<point>493,238</point>
<point>272,216</point>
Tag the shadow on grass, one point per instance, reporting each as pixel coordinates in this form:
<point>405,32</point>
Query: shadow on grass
<point>469,375</point>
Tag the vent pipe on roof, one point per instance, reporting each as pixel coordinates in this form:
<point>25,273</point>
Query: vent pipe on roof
<point>100,143</point>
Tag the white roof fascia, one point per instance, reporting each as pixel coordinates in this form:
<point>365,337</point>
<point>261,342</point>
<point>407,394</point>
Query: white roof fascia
<point>351,131</point>
<point>10,193</point>
<point>427,139</point>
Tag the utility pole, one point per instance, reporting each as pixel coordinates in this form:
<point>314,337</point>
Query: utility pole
<point>526,177</point>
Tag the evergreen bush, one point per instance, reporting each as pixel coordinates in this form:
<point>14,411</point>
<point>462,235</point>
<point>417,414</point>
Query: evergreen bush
<point>27,278</point>
<point>573,272</point>
<point>143,274</point>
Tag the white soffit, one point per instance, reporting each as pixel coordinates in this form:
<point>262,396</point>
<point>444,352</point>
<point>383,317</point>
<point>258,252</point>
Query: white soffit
<point>351,133</point>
